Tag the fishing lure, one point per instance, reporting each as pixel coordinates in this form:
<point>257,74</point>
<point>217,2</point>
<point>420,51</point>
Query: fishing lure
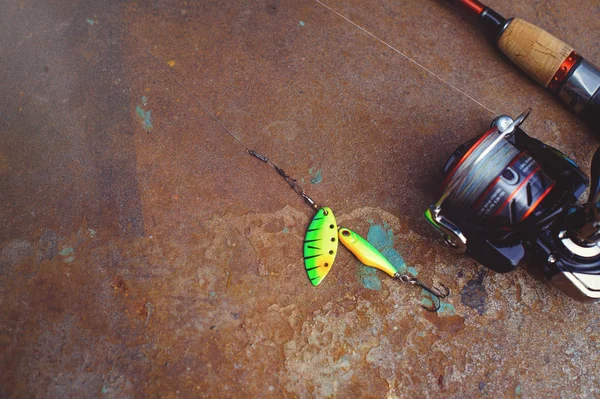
<point>320,245</point>
<point>370,256</point>
<point>320,241</point>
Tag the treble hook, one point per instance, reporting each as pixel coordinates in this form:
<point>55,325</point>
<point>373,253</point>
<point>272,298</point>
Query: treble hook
<point>434,291</point>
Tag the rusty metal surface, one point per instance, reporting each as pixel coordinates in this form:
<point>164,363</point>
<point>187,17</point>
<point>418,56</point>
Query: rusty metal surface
<point>144,253</point>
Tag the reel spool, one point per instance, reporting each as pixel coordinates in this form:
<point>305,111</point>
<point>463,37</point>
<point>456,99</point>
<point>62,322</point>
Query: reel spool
<point>497,180</point>
<point>506,195</point>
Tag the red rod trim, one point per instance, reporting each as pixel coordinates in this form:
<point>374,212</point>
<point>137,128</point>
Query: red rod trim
<point>472,6</point>
<point>563,71</point>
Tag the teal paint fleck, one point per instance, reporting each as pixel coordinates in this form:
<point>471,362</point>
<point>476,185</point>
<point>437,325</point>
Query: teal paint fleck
<point>286,230</point>
<point>301,23</point>
<point>518,390</point>
<point>316,176</point>
<point>144,100</point>
<point>104,390</point>
<point>369,278</point>
<point>412,270</point>
<point>382,238</point>
<point>67,251</point>
<point>145,115</point>
<point>426,300</point>
<point>421,334</point>
<point>447,309</point>
<point>90,21</point>
<point>70,259</point>
<point>92,233</point>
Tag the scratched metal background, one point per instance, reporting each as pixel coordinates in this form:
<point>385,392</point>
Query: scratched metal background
<point>143,253</point>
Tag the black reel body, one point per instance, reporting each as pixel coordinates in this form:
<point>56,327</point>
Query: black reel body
<point>507,197</point>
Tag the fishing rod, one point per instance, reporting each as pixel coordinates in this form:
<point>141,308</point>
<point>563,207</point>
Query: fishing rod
<point>548,60</point>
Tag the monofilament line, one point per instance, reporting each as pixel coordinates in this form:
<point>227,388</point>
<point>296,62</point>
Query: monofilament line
<point>198,102</point>
<point>293,183</point>
<point>407,57</point>
<point>213,116</point>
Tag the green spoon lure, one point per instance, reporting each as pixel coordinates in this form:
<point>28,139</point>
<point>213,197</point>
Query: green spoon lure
<point>320,245</point>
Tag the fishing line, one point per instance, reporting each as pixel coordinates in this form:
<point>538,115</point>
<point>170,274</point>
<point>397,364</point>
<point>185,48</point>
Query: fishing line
<point>408,58</point>
<point>293,183</point>
<point>201,105</point>
<point>491,157</point>
<point>472,177</point>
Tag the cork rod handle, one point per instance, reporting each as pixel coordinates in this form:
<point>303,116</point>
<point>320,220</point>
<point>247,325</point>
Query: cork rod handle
<point>534,50</point>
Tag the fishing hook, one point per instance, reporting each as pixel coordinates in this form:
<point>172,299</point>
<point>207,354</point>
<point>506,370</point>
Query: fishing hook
<point>434,291</point>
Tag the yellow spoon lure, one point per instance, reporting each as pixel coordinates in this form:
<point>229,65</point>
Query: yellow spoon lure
<point>365,252</point>
<point>370,256</point>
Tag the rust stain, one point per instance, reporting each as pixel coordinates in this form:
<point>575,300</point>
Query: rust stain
<point>118,284</point>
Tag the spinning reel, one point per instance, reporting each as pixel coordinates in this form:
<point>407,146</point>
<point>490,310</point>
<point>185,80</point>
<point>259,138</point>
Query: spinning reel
<point>507,196</point>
